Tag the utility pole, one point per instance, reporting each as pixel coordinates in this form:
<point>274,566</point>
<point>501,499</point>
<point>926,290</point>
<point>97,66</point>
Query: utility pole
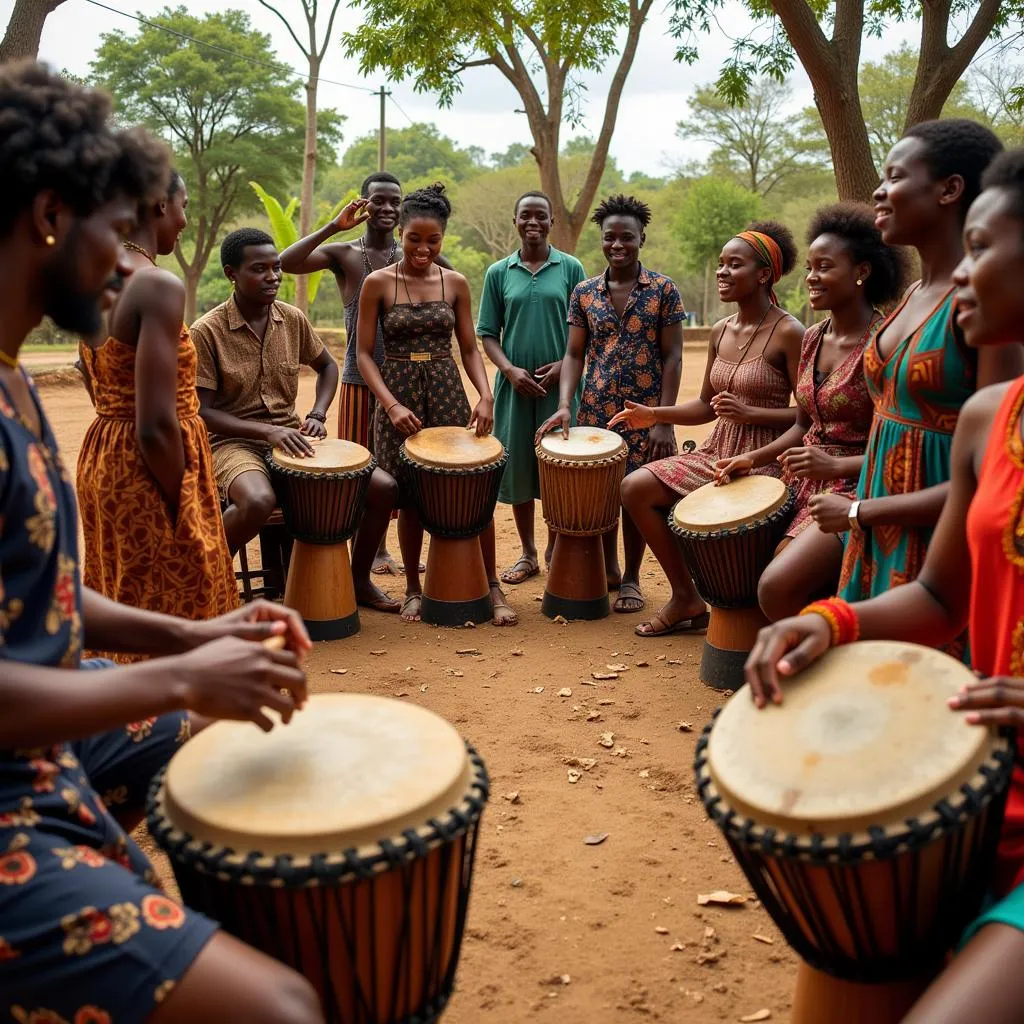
<point>382,145</point>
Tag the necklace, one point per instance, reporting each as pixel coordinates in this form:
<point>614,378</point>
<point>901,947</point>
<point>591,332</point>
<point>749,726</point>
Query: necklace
<point>366,255</point>
<point>133,247</point>
<point>11,361</point>
<point>743,348</point>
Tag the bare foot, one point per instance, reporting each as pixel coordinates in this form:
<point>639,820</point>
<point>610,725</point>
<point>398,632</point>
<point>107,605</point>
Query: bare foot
<point>503,613</point>
<point>411,607</point>
<point>371,596</point>
<point>384,564</point>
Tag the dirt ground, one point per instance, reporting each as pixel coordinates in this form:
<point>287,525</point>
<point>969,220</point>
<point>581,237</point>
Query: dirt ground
<point>560,930</point>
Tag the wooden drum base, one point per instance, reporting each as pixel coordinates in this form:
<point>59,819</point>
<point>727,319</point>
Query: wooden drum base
<point>320,589</point>
<point>731,635</point>
<point>455,589</point>
<point>577,581</point>
<point>822,999</point>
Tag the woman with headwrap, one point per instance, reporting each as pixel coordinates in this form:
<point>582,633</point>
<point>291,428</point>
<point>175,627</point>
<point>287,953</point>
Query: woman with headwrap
<point>752,364</point>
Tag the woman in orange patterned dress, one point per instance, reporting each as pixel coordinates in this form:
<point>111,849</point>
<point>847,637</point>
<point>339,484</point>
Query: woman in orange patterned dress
<point>154,536</point>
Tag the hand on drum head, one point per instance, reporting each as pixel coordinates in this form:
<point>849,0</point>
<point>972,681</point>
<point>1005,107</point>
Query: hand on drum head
<point>404,420</point>
<point>313,428</point>
<point>831,512</point>
<point>634,416</point>
<point>558,420</point>
<point>482,417</point>
<point>236,679</point>
<point>290,440</point>
<point>995,701</point>
<point>784,649</point>
<point>257,621</point>
<point>727,470</point>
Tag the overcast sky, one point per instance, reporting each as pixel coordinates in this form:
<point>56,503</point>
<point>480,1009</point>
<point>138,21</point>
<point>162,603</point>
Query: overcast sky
<point>484,114</point>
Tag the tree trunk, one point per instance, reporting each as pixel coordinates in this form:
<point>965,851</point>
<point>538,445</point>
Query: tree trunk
<point>853,164</point>
<point>308,178</point>
<point>192,276</point>
<point>25,28</point>
<point>707,289</point>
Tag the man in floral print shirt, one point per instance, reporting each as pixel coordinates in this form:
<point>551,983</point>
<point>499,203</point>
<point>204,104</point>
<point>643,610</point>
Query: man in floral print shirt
<point>86,937</point>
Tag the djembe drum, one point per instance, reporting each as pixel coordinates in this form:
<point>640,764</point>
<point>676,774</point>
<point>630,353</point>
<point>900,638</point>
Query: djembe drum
<point>342,844</point>
<point>322,498</point>
<point>452,477</point>
<point>579,491</point>
<point>727,536</point>
<point>865,815</point>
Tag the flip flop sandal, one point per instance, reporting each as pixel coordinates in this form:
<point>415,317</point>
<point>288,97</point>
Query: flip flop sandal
<point>382,604</point>
<point>694,624</point>
<point>405,604</point>
<point>532,569</point>
<point>629,592</point>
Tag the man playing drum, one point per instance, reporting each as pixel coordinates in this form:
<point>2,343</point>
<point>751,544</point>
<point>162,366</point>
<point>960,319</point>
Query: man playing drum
<point>250,350</point>
<point>85,935</point>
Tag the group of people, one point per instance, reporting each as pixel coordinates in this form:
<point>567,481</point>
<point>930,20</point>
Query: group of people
<point>899,500</point>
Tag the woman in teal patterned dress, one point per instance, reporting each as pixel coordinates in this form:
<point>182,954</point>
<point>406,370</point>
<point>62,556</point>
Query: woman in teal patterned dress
<point>918,369</point>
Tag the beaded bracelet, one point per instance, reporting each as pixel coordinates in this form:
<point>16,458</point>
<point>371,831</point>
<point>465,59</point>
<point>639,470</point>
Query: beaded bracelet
<point>841,617</point>
<point>314,415</point>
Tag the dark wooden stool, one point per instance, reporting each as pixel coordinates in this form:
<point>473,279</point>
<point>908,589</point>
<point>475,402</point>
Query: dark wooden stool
<point>275,552</point>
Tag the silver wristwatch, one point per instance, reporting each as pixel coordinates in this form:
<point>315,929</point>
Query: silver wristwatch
<point>854,516</point>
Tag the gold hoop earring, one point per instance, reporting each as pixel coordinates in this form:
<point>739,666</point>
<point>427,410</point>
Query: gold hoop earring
<point>50,240</point>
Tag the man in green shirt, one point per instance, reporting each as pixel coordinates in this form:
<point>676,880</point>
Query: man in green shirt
<point>524,328</point>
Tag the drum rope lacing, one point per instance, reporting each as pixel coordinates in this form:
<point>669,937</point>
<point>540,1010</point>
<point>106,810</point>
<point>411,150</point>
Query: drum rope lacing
<point>807,928</point>
<point>292,872</point>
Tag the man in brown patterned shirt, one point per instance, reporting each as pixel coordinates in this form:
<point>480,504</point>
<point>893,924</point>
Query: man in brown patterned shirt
<point>251,348</point>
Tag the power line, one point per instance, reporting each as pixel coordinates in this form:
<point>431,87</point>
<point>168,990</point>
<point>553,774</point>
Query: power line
<point>231,53</point>
<point>401,111</point>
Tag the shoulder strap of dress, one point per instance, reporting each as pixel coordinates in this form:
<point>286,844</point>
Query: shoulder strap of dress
<point>395,300</point>
<point>715,342</point>
<point>768,340</point>
<point>441,272</point>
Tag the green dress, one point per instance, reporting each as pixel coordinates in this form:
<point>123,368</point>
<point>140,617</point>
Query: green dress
<point>917,391</point>
<point>527,313</point>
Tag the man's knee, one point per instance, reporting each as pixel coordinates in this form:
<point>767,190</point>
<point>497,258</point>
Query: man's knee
<point>253,496</point>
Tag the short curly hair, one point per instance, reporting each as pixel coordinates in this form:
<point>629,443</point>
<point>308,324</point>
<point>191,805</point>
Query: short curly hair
<point>56,134</point>
<point>854,224</point>
<point>431,201</point>
<point>956,145</point>
<point>782,237</point>
<point>1006,173</point>
<point>232,249</point>
<point>623,206</point>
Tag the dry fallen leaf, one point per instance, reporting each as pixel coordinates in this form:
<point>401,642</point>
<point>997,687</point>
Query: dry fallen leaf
<point>605,703</point>
<point>756,1016</point>
<point>402,693</point>
<point>516,654</point>
<point>617,668</point>
<point>721,897</point>
<point>378,653</point>
<point>565,692</point>
<point>661,657</point>
<point>684,727</point>
<point>593,716</point>
<point>513,797</point>
<point>645,774</point>
<point>538,689</point>
<point>708,958</point>
<point>673,661</point>
<point>763,938</point>
<point>338,671</point>
<point>677,947</point>
<point>661,930</point>
<point>574,776</point>
<point>643,664</point>
<point>587,682</point>
<point>469,625</point>
<point>424,688</point>
<point>620,752</point>
<point>586,763</point>
<point>607,739</point>
<point>561,620</point>
<point>467,650</point>
<point>605,675</point>
<point>709,934</point>
<point>596,839</point>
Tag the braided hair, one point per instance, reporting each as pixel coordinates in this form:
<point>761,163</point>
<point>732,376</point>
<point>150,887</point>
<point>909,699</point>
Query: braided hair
<point>429,202</point>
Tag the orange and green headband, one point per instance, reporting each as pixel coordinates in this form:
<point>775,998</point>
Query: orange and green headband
<point>768,252</point>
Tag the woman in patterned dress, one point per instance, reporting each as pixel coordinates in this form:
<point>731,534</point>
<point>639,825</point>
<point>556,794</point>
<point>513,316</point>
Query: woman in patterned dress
<point>154,534</point>
<point>973,575</point>
<point>850,272</point>
<point>413,393</point>
<point>918,368</point>
<point>751,367</point>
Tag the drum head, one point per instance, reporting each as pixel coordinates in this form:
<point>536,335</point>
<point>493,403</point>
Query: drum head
<point>742,501</point>
<point>584,444</point>
<point>349,771</point>
<point>332,456</point>
<point>453,448</point>
<point>863,737</point>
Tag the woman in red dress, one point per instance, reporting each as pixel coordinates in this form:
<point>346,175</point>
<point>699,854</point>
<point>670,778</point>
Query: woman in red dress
<point>973,575</point>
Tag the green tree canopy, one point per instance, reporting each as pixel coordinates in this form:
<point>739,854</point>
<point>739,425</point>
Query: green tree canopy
<point>417,152</point>
<point>229,111</point>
